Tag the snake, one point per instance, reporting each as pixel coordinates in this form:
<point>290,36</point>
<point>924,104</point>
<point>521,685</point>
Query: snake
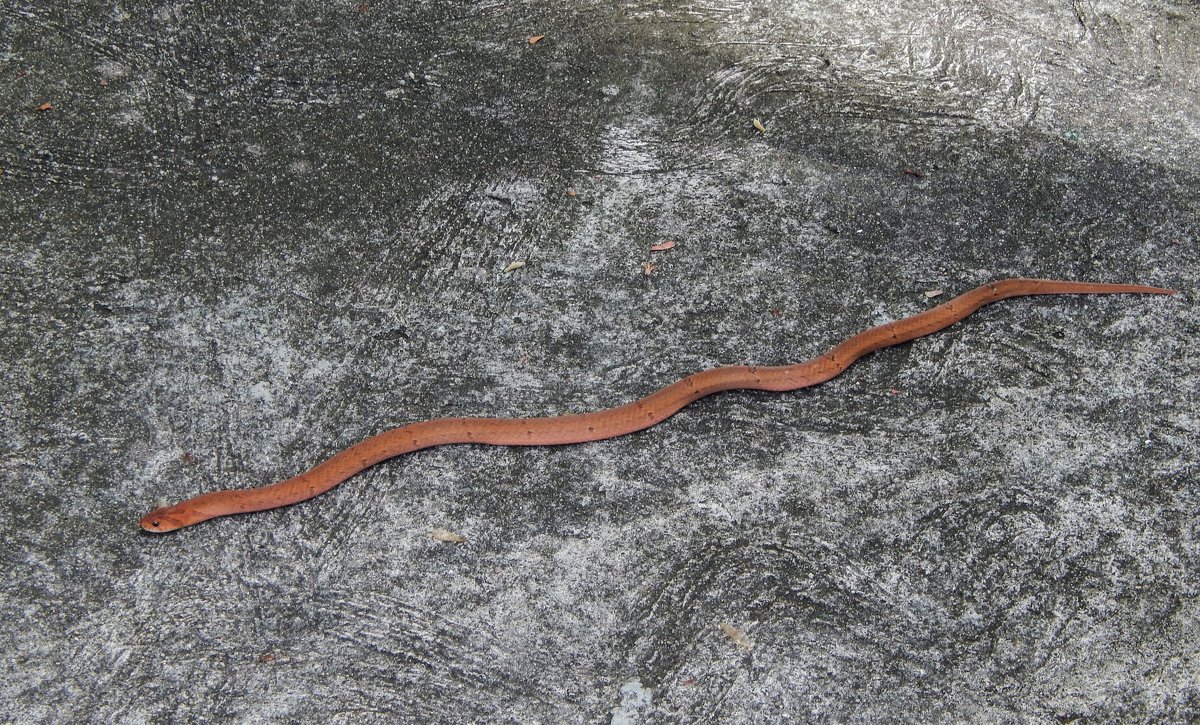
<point>612,422</point>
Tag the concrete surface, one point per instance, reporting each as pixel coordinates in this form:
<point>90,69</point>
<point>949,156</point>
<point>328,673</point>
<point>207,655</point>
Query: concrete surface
<point>245,235</point>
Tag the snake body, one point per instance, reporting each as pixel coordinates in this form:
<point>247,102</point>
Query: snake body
<point>598,425</point>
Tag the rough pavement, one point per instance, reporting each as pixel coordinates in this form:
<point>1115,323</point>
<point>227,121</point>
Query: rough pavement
<point>240,237</point>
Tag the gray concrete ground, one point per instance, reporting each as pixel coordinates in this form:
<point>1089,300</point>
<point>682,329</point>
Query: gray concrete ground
<point>241,236</point>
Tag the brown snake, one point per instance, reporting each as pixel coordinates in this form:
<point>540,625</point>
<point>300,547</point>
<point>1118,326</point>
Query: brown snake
<point>640,414</point>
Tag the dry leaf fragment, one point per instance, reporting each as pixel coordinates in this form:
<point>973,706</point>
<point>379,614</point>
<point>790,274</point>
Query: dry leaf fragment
<point>446,536</point>
<point>533,39</point>
<point>737,636</point>
<point>930,294</point>
<point>648,268</point>
<point>514,266</point>
<point>759,125</point>
<point>45,106</point>
<point>662,246</point>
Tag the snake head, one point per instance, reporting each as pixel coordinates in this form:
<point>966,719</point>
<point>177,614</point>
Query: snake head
<point>162,520</point>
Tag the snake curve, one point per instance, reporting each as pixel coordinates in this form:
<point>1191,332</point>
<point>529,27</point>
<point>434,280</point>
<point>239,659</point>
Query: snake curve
<point>598,425</point>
